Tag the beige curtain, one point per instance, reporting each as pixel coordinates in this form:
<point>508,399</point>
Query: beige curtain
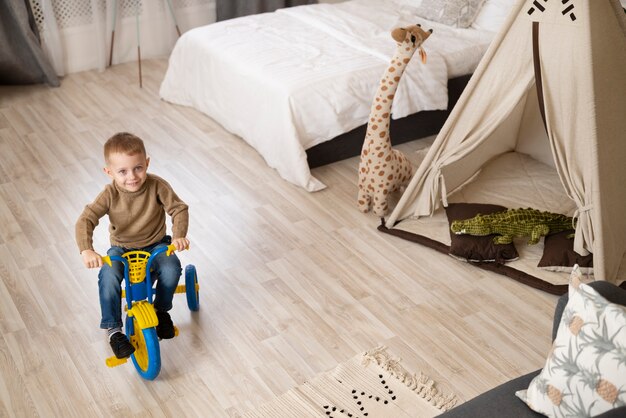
<point>585,107</point>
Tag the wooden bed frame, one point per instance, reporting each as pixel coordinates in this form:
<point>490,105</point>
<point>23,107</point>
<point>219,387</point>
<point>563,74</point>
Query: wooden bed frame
<point>415,126</point>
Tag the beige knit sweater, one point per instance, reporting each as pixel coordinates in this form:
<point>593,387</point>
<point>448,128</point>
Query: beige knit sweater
<point>137,219</point>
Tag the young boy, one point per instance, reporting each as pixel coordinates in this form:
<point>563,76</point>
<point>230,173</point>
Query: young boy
<point>136,203</point>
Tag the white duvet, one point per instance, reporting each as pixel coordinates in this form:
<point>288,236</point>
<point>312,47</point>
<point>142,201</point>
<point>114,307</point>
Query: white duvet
<point>289,80</point>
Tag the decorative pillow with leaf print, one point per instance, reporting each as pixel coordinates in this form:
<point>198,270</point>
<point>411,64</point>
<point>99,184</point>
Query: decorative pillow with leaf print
<point>585,373</point>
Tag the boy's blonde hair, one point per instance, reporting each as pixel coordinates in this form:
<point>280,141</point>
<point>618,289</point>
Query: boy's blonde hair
<point>123,143</point>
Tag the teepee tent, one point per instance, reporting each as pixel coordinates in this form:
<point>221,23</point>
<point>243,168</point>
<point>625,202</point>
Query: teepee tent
<point>552,85</point>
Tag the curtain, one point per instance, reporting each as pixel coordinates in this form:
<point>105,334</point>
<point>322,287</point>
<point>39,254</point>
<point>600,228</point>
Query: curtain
<point>49,32</point>
<point>22,60</point>
<point>77,34</point>
<point>228,9</point>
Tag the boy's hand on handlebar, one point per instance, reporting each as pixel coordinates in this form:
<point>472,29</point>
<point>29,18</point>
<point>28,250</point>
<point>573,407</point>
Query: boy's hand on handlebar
<point>91,259</point>
<point>180,243</point>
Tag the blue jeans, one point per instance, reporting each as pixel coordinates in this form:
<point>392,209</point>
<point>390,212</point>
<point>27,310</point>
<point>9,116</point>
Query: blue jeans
<point>166,269</point>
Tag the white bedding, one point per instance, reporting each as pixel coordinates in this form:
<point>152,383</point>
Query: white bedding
<point>289,80</point>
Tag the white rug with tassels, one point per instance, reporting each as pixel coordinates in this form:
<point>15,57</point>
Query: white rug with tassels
<point>371,385</point>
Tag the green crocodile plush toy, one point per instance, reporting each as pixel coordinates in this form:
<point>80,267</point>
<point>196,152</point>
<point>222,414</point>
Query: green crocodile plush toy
<point>514,223</point>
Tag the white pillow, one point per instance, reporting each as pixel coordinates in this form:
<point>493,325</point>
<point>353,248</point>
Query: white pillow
<point>493,14</point>
<point>585,373</point>
<point>457,13</point>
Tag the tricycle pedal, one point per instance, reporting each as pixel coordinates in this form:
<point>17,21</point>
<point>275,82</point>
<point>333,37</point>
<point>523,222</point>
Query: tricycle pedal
<point>114,361</point>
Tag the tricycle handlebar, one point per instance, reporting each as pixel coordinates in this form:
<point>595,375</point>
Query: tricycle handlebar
<point>169,250</point>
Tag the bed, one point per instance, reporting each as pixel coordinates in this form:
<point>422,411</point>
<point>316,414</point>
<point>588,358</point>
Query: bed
<point>302,78</point>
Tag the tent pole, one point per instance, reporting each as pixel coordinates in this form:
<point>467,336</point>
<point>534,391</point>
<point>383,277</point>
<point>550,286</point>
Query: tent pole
<point>538,80</point>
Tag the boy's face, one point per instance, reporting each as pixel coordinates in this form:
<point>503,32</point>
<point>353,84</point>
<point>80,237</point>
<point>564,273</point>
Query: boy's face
<point>128,171</point>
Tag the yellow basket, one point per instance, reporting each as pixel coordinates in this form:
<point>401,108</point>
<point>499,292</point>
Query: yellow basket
<point>137,261</point>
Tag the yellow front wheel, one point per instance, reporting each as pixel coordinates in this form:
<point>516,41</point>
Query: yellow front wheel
<point>147,355</point>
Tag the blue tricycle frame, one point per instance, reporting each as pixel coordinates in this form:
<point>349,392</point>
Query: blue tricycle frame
<point>141,319</point>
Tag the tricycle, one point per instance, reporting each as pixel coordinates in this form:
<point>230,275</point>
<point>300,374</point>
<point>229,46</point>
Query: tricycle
<point>141,318</point>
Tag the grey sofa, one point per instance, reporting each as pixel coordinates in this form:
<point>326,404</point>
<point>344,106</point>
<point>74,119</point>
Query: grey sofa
<point>501,401</point>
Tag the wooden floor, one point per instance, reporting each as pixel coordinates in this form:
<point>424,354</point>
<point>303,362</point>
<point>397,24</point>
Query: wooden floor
<point>292,283</point>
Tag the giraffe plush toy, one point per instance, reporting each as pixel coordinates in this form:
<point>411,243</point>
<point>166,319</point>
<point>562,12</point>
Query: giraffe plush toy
<point>383,170</point>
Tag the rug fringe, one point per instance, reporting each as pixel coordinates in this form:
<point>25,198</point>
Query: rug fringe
<point>421,385</point>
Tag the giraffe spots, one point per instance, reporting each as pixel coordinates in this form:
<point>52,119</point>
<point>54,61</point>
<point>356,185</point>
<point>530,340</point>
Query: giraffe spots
<point>385,167</point>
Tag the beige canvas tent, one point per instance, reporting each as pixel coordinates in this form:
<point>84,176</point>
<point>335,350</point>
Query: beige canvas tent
<point>542,123</point>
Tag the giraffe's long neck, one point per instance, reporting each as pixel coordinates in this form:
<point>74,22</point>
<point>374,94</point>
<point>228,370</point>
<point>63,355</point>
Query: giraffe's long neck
<point>380,114</point>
